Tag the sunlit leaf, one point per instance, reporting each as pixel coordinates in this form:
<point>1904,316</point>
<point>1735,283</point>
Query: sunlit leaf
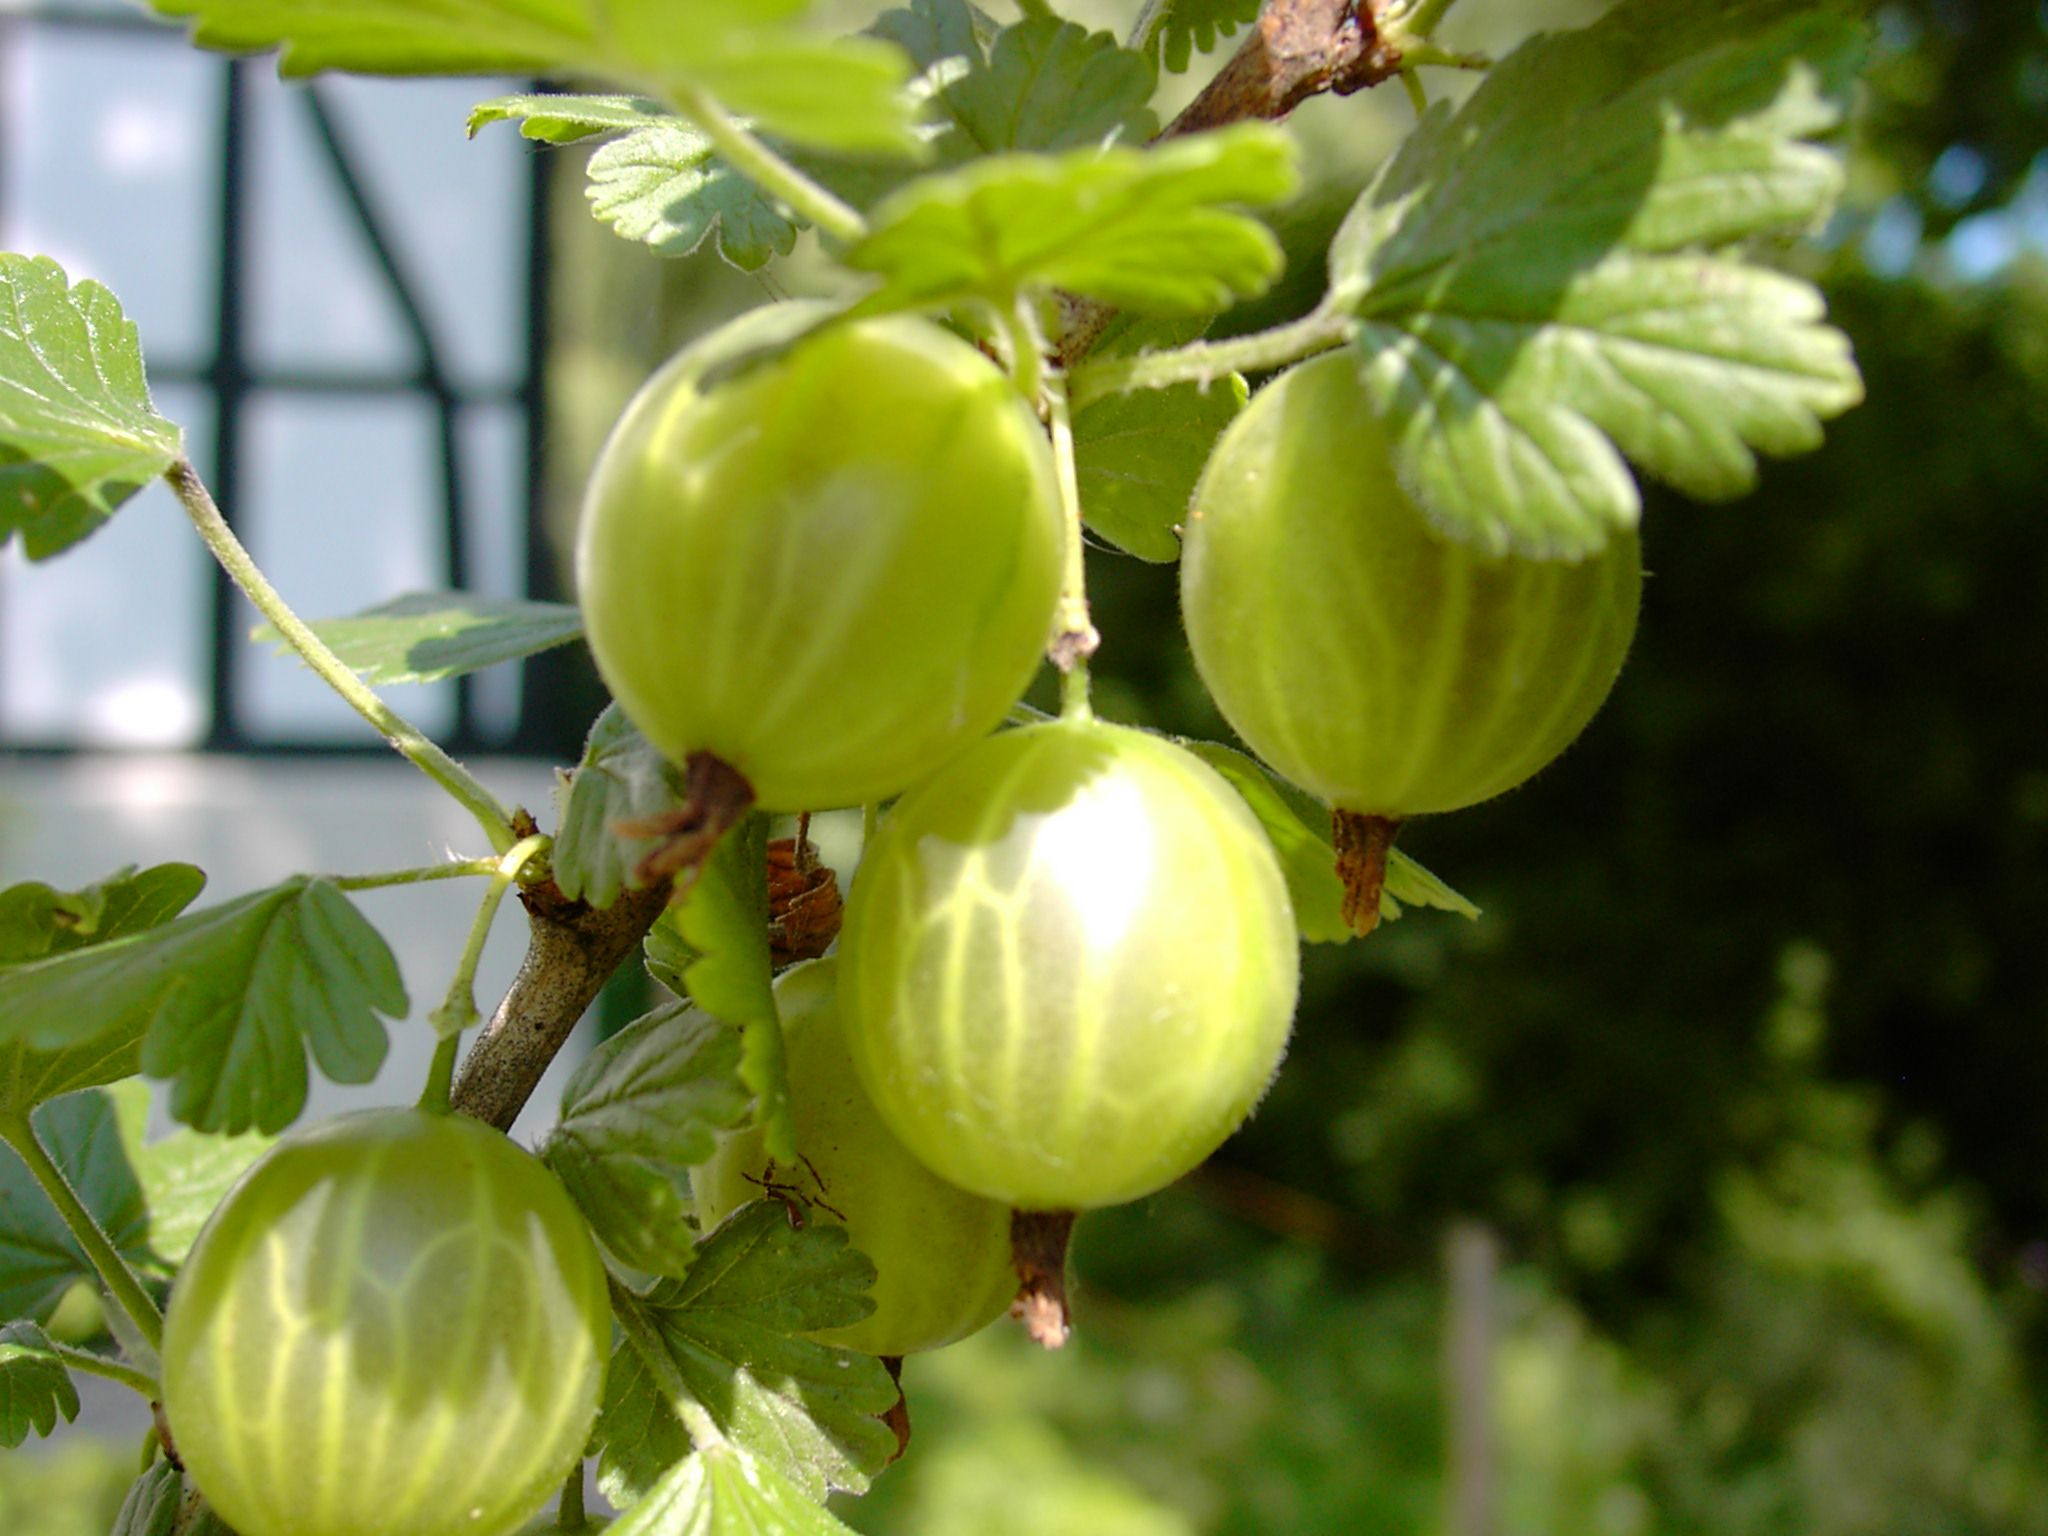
<point>78,433</point>
<point>1549,278</point>
<point>730,1328</point>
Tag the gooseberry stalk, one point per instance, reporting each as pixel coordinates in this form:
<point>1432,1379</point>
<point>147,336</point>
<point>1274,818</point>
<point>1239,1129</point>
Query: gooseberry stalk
<point>120,1281</point>
<point>1075,637</point>
<point>411,743</point>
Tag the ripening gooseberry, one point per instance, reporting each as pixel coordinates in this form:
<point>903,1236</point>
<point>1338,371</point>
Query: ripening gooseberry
<point>941,1255</point>
<point>395,1323</point>
<point>1391,671</point>
<point>1069,966</point>
<point>830,571</point>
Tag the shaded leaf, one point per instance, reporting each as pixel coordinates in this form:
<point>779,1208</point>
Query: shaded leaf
<point>93,1143</point>
<point>232,997</point>
<point>35,1388</point>
<point>1196,26</point>
<point>804,1409</point>
<point>78,434</point>
<point>622,778</point>
<point>1547,279</point>
<point>723,1491</point>
<point>153,1502</point>
<point>663,187</point>
<point>1139,455</point>
<point>642,1108</point>
<point>1042,84</point>
<point>37,921</point>
<point>1157,230</point>
<point>724,919</point>
<point>425,637</point>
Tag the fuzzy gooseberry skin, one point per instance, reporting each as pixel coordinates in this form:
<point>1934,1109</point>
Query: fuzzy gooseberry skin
<point>1069,966</point>
<point>396,1323</point>
<point>831,571</point>
<point>941,1255</point>
<point>1383,667</point>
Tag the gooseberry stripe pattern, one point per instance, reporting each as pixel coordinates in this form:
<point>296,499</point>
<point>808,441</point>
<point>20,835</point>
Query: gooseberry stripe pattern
<point>395,1339</point>
<point>1070,966</point>
<point>1389,670</point>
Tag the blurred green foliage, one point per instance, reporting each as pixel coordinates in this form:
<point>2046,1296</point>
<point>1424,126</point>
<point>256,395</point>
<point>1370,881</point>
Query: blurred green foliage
<point>1745,1063</point>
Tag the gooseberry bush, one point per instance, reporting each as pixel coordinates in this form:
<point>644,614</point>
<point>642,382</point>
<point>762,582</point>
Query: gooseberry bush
<point>821,558</point>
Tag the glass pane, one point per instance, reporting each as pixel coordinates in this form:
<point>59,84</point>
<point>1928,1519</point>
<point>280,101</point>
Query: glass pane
<point>316,297</point>
<point>492,439</point>
<point>341,506</point>
<point>455,209</point>
<point>109,162</point>
<point>106,645</point>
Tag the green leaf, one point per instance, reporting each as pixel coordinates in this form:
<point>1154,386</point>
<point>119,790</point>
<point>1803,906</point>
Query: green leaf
<point>37,921</point>
<point>667,955</point>
<point>566,119</point>
<point>425,637</point>
<point>231,998</point>
<point>1139,455</point>
<point>804,1409</point>
<point>621,778</point>
<point>1549,278</point>
<point>843,94</point>
<point>723,1491</point>
<point>34,1386</point>
<point>1157,230</point>
<point>153,1502</point>
<point>78,434</point>
<point>660,185</point>
<point>1195,26</point>
<point>1042,84</point>
<point>1298,826</point>
<point>184,1176</point>
<point>159,1504</point>
<point>663,187</point>
<point>1408,881</point>
<point>724,919</point>
<point>93,1143</point>
<point>642,1108</point>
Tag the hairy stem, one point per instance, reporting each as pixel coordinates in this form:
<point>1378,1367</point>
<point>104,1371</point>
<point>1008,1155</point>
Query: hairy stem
<point>1075,637</point>
<point>407,738</point>
<point>459,869</point>
<point>107,1370</point>
<point>1203,362</point>
<point>752,158</point>
<point>120,1281</point>
<point>458,1010</point>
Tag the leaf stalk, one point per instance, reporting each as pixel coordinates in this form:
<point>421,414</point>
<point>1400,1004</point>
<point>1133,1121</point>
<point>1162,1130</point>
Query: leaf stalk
<point>1075,637</point>
<point>458,1011</point>
<point>1203,362</point>
<point>122,1286</point>
<point>407,738</point>
<point>751,156</point>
